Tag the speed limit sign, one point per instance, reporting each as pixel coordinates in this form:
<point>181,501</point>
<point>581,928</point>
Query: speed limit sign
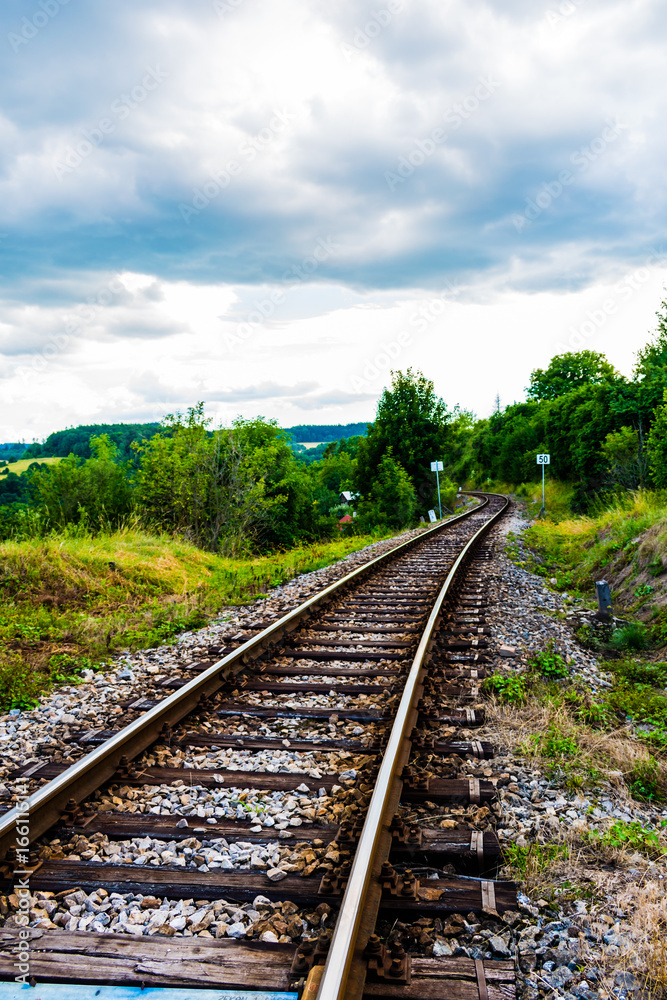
<point>544,459</point>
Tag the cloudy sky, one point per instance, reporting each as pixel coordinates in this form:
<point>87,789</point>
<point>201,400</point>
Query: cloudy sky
<point>268,205</point>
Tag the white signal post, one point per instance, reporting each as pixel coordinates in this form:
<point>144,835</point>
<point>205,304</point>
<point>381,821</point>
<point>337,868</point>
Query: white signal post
<point>438,467</point>
<point>543,460</point>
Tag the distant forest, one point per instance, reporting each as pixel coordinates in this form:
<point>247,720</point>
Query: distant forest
<point>308,433</point>
<point>76,440</point>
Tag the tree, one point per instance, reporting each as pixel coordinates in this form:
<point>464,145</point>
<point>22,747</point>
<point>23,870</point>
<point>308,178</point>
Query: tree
<point>392,500</point>
<point>232,490</point>
<point>656,446</point>
<point>626,460</point>
<point>654,354</point>
<point>96,493</point>
<point>569,371</point>
<point>412,421</point>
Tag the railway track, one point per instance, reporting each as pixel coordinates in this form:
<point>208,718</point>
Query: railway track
<point>268,823</point>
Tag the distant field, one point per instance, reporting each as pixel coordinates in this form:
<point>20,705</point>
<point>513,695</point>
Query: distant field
<point>20,467</point>
<point>312,444</point>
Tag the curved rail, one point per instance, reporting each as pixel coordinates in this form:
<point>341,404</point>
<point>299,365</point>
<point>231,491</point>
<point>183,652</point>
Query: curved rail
<point>88,774</point>
<point>344,974</point>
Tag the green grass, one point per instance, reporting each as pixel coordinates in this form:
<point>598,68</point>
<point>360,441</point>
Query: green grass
<point>557,501</point>
<point>528,862</point>
<point>67,603</point>
<point>577,550</point>
<point>20,467</point>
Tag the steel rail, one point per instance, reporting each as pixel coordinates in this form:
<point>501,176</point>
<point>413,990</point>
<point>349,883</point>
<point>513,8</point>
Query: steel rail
<point>45,805</point>
<point>344,973</point>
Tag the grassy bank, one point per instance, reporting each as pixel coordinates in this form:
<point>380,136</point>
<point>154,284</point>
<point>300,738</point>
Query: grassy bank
<point>68,603</point>
<point>626,543</point>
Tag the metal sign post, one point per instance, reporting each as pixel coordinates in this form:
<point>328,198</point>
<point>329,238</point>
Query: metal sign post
<point>543,460</point>
<point>438,467</point>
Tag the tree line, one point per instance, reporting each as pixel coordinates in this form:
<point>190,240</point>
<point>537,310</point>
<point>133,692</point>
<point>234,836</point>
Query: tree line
<point>243,489</point>
<point>605,432</point>
<point>239,489</point>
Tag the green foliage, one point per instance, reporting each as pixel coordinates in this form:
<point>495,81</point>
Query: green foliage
<point>325,432</point>
<point>412,421</point>
<point>528,862</point>
<point>558,745</point>
<point>625,457</point>
<point>95,493</point>
<point>569,371</point>
<point>335,472</point>
<point>646,781</point>
<point>231,491</point>
<point>15,489</point>
<point>593,713</point>
<point>656,446</point>
<point>629,836</point>
<point>549,663</point>
<point>78,441</point>
<point>391,500</point>
<point>633,636</point>
<point>63,608</point>
<point>20,686</point>
<point>638,672</point>
<point>509,689</point>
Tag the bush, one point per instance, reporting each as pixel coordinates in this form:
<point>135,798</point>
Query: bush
<point>20,685</point>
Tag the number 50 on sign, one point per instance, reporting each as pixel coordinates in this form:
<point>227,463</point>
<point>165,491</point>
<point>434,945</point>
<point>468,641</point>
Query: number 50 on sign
<point>544,459</point>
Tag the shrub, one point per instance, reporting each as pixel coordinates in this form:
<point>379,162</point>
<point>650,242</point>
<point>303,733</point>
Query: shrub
<point>509,690</point>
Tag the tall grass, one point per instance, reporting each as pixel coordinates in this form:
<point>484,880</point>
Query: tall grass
<point>632,529</point>
<point>68,601</point>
